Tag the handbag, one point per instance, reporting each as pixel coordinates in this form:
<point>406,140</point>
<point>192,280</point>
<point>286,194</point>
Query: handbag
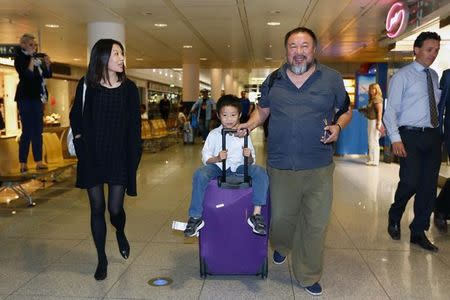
<point>194,121</point>
<point>70,145</point>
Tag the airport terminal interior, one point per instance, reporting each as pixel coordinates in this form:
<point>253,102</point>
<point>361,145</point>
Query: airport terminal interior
<point>176,49</point>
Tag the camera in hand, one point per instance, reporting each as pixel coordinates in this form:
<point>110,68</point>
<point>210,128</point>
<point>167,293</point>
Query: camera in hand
<point>39,55</point>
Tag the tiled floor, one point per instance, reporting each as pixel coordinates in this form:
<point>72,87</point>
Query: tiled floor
<point>46,252</point>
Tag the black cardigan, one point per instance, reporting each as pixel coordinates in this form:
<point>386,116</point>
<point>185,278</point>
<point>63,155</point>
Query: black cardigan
<point>82,122</point>
<point>29,87</point>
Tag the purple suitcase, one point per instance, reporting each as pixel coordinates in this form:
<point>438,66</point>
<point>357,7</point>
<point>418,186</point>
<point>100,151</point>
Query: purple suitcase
<point>227,244</point>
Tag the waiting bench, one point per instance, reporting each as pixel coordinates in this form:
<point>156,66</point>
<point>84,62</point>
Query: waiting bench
<point>12,178</point>
<point>155,135</point>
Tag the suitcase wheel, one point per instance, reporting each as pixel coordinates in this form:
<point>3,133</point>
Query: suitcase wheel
<point>202,268</point>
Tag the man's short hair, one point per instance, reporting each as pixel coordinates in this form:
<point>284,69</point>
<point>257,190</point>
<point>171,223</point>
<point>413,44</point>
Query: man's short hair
<point>298,30</point>
<point>426,35</point>
<point>26,37</point>
<point>228,100</point>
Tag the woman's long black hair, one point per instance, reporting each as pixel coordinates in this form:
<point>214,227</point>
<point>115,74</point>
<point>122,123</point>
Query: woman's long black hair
<point>98,63</point>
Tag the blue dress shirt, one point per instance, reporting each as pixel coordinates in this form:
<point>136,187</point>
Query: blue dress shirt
<point>408,102</point>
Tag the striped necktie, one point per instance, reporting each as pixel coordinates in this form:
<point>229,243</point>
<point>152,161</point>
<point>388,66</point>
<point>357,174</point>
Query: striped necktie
<point>431,100</point>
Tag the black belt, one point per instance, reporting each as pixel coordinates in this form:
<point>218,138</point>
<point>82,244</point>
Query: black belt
<point>412,128</point>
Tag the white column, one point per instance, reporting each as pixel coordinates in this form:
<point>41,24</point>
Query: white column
<point>191,75</point>
<point>216,83</point>
<point>236,88</point>
<point>10,81</point>
<point>104,30</point>
<point>228,82</point>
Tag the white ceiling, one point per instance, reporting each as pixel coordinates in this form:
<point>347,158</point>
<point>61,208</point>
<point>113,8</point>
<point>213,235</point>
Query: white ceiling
<point>229,33</point>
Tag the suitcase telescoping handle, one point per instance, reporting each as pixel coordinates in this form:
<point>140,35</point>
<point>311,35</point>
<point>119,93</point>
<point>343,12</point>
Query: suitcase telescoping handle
<point>225,131</point>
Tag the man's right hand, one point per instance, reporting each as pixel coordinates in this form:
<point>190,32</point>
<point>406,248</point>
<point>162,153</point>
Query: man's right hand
<point>399,149</point>
<point>242,129</point>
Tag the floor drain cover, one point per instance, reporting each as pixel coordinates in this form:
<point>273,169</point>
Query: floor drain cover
<point>160,281</point>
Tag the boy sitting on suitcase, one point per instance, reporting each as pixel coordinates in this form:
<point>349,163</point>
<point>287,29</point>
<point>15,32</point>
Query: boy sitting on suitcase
<point>228,112</point>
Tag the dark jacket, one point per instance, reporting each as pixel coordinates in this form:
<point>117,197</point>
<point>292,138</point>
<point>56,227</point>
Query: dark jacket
<point>30,84</point>
<point>444,105</point>
<point>82,123</point>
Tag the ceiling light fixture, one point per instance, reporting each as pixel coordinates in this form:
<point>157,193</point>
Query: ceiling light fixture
<point>77,59</point>
<point>139,58</point>
<point>273,23</point>
<point>268,58</point>
<point>187,46</point>
<point>203,58</point>
<point>52,25</point>
<point>160,24</point>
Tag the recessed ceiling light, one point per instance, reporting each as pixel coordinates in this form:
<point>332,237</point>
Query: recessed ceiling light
<point>273,23</point>
<point>270,46</point>
<point>203,58</point>
<point>187,46</point>
<point>52,25</point>
<point>139,58</point>
<point>77,59</point>
<point>268,58</point>
<point>229,46</point>
<point>160,25</point>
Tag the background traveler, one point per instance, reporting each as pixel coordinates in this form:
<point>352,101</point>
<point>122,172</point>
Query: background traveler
<point>203,109</point>
<point>246,107</point>
<point>107,139</point>
<point>164,108</point>
<point>374,113</point>
<point>31,94</point>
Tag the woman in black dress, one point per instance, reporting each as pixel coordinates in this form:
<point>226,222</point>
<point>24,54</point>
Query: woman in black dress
<point>107,139</point>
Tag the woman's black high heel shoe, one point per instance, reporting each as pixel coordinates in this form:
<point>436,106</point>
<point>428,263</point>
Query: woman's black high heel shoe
<point>124,246</point>
<point>101,271</point>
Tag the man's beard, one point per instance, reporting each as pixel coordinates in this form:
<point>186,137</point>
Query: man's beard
<point>300,69</point>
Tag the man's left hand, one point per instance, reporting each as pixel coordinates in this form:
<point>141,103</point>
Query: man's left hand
<point>334,131</point>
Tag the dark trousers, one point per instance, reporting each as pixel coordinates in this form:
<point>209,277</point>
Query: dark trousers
<point>31,114</point>
<point>419,173</point>
<point>443,200</point>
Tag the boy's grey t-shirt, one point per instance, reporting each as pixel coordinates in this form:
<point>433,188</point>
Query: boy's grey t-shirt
<point>297,118</point>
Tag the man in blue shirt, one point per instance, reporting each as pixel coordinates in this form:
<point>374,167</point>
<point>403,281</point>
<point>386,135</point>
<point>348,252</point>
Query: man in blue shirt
<point>412,122</point>
<point>302,98</point>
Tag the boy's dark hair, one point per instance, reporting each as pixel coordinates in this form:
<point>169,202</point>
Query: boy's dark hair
<point>426,35</point>
<point>228,100</point>
<point>98,63</point>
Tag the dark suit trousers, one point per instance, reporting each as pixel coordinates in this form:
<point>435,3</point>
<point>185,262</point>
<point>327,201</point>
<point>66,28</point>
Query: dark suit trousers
<point>443,200</point>
<point>419,173</point>
<point>31,114</point>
